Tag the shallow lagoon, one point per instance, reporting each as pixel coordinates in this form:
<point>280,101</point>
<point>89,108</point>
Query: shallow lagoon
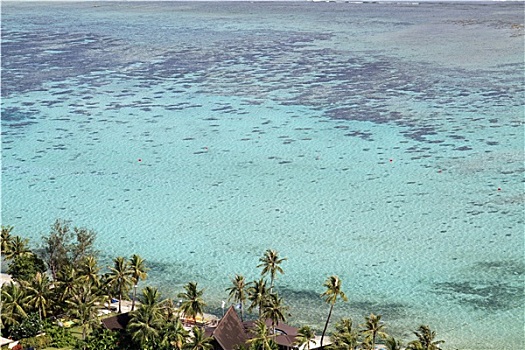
<point>382,143</point>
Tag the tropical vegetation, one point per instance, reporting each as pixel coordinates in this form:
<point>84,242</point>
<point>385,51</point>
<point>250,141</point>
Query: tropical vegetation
<point>62,282</point>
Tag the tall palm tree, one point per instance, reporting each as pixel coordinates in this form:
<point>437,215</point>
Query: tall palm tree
<point>119,279</point>
<point>144,327</point>
<point>305,336</point>
<point>39,294</point>
<point>257,294</point>
<point>83,306</point>
<point>425,339</point>
<point>274,309</point>
<point>270,262</point>
<point>192,302</point>
<point>237,292</point>
<point>88,271</point>
<point>373,328</point>
<point>262,339</point>
<point>344,337</point>
<point>333,290</point>
<point>138,272</point>
<point>174,336</point>
<point>198,341</point>
<point>14,304</point>
<point>6,240</point>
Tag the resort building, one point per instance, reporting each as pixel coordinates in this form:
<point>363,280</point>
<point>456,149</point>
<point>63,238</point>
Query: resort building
<point>230,333</point>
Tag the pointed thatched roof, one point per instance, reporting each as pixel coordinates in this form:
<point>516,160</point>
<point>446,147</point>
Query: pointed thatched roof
<point>230,333</point>
<point>118,322</point>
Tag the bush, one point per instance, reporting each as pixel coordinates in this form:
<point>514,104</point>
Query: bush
<point>60,337</point>
<point>29,327</point>
<point>25,267</point>
<point>101,339</point>
<point>39,342</point>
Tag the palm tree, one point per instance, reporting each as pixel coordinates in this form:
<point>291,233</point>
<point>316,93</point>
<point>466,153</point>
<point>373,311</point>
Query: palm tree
<point>237,292</point>
<point>392,344</point>
<point>89,271</point>
<point>138,272</point>
<point>6,240</point>
<point>199,341</point>
<point>257,294</point>
<point>169,310</point>
<point>262,339</point>
<point>150,298</point>
<point>144,327</point>
<point>84,307</point>
<point>344,337</point>
<point>305,336</point>
<point>67,281</point>
<point>39,294</point>
<point>372,329</point>
<point>270,262</point>
<point>274,310</point>
<point>174,336</point>
<point>425,339</point>
<point>14,304</point>
<point>333,289</point>
<point>18,248</point>
<point>192,302</point>
<point>119,279</point>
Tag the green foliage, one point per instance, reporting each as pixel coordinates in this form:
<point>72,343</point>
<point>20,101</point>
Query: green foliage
<point>334,289</point>
<point>173,336</point>
<point>66,246</point>
<point>25,267</point>
<point>392,344</point>
<point>192,302</point>
<point>305,335</point>
<point>29,327</point>
<point>100,339</point>
<point>344,336</point>
<point>237,292</point>
<point>373,328</point>
<point>257,294</point>
<point>37,342</point>
<point>274,309</point>
<point>119,279</point>
<point>60,337</point>
<point>6,240</point>
<point>270,262</point>
<point>14,305</point>
<point>261,339</point>
<point>199,341</point>
<point>77,290</point>
<point>144,326</point>
<point>425,339</point>
<point>138,272</point>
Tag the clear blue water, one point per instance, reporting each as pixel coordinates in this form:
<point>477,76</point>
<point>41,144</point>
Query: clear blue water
<point>383,143</point>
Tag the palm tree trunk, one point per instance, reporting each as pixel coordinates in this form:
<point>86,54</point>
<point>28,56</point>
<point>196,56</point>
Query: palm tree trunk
<point>134,297</point>
<point>242,312</point>
<point>120,302</point>
<point>326,324</point>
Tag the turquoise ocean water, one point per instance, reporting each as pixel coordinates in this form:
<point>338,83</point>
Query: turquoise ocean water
<point>382,143</point>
